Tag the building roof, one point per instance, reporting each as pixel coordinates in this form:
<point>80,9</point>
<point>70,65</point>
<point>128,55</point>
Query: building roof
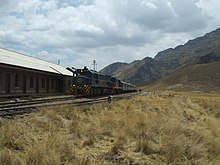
<point>17,59</point>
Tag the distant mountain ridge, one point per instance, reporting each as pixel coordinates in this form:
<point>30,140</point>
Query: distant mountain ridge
<point>136,72</point>
<point>201,50</point>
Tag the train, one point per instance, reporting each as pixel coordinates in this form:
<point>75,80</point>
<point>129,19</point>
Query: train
<point>87,82</point>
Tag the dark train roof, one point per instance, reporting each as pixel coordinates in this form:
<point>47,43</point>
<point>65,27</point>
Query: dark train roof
<point>91,71</point>
<point>8,57</point>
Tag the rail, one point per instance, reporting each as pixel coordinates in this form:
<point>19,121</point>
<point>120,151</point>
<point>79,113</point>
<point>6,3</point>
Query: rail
<point>25,107</point>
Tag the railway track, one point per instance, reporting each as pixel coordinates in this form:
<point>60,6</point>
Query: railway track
<point>22,108</point>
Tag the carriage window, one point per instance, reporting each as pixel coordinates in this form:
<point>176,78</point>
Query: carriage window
<point>31,82</point>
<point>43,82</point>
<point>16,80</point>
<point>0,80</point>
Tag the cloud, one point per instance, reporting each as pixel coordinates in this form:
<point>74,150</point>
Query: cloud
<point>108,31</point>
<point>211,9</point>
<point>188,16</point>
<point>11,37</point>
<point>52,57</point>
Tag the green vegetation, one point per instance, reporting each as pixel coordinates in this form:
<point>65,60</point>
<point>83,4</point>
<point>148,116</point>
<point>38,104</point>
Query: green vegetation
<point>158,128</point>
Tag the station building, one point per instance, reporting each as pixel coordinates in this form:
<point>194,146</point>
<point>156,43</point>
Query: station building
<point>24,75</point>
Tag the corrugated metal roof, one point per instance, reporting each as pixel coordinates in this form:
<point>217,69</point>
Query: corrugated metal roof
<point>17,59</point>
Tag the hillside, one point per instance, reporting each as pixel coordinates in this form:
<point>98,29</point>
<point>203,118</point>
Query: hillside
<point>201,50</point>
<point>113,68</point>
<point>142,72</point>
<point>200,77</point>
<point>137,72</point>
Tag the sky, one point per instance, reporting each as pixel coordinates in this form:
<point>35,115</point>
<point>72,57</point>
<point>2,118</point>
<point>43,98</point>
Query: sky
<point>76,32</point>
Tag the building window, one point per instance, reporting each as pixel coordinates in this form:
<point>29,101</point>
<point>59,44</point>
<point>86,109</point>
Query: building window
<point>43,82</point>
<point>16,80</point>
<point>52,83</point>
<point>31,82</point>
<point>0,80</point>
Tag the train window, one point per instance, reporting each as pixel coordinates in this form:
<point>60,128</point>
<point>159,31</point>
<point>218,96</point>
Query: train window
<point>52,83</point>
<point>16,80</point>
<point>0,80</point>
<point>31,82</point>
<point>43,82</point>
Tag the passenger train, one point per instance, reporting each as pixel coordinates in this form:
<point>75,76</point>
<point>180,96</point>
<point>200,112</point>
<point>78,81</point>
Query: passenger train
<point>87,82</point>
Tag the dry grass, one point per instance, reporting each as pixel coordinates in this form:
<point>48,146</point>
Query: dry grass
<point>200,77</point>
<point>159,128</point>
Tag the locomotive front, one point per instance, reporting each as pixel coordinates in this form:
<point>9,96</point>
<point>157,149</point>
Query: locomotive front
<point>81,82</point>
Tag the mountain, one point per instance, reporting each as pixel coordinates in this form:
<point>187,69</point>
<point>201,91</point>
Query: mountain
<point>113,68</point>
<point>141,72</point>
<point>135,72</point>
<point>199,77</point>
<point>201,50</point>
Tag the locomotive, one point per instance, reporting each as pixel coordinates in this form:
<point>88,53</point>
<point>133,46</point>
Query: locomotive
<point>87,82</point>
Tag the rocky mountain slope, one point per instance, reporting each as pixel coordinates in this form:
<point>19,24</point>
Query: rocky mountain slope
<point>113,68</point>
<point>201,50</point>
<point>141,72</point>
